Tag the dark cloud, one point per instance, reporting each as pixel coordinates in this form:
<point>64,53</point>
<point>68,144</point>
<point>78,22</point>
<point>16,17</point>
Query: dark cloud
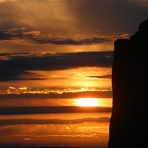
<point>5,36</point>
<point>68,41</point>
<point>13,69</point>
<point>103,76</point>
<point>40,110</point>
<point>38,37</point>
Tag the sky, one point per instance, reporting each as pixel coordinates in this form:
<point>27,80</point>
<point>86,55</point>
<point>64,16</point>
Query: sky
<point>62,48</point>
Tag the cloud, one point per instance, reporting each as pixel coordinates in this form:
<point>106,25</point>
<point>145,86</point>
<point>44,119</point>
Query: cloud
<point>94,94</point>
<point>5,36</point>
<point>29,13</point>
<point>103,76</point>
<point>34,41</point>
<point>68,41</point>
<point>13,69</point>
<point>70,16</point>
<point>40,38</point>
<point>40,110</point>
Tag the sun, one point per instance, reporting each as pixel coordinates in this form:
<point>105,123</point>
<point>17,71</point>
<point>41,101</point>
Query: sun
<point>87,102</point>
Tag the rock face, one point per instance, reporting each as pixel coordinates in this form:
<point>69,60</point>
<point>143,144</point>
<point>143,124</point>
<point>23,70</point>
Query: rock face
<point>128,124</point>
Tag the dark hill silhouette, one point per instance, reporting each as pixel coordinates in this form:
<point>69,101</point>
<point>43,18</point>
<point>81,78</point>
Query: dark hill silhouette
<point>128,124</point>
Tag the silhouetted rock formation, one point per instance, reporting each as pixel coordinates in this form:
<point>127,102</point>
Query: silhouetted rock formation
<point>128,124</point>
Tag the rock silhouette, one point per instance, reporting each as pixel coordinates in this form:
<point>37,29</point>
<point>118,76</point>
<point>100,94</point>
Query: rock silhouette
<point>128,124</point>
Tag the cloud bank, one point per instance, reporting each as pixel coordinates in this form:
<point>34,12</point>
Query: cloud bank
<point>41,110</point>
<point>41,38</point>
<point>12,69</point>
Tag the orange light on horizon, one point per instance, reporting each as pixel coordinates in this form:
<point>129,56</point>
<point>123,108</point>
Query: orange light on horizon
<point>87,102</point>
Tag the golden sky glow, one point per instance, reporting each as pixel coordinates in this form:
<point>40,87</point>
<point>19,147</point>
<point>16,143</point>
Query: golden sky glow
<point>72,79</point>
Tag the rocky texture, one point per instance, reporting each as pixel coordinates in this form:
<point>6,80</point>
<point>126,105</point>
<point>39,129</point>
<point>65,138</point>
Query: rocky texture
<point>128,124</point>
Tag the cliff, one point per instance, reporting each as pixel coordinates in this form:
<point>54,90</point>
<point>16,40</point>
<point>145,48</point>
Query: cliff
<point>128,124</point>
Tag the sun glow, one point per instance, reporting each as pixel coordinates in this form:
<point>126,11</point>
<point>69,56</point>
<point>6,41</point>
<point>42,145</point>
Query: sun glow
<point>87,102</point>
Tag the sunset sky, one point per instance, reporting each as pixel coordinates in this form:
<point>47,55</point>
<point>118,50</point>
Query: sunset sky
<point>56,68</point>
<point>61,48</point>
